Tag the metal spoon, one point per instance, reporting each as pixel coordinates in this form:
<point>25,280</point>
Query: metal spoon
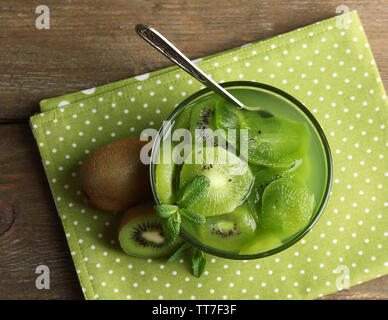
<point>159,42</point>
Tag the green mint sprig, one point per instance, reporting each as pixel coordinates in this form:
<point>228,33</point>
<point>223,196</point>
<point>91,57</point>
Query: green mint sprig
<point>166,210</point>
<point>179,253</point>
<point>171,214</point>
<point>193,191</point>
<point>193,216</point>
<point>198,258</point>
<point>199,262</point>
<point>171,226</point>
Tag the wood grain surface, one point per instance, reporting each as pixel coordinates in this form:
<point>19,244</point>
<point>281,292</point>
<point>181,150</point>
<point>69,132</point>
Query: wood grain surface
<point>90,43</point>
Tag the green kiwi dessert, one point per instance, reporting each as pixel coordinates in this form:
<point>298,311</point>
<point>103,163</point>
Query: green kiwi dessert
<point>141,234</point>
<point>266,176</point>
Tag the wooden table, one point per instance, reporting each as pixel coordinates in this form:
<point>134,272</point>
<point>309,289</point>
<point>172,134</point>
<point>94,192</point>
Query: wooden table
<point>91,43</point>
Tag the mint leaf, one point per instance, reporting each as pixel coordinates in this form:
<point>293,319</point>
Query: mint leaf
<point>193,216</point>
<point>193,191</point>
<point>179,253</point>
<point>171,226</point>
<point>199,262</point>
<point>165,210</point>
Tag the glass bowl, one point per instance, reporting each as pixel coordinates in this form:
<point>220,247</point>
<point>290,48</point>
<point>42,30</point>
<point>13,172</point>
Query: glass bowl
<point>280,100</point>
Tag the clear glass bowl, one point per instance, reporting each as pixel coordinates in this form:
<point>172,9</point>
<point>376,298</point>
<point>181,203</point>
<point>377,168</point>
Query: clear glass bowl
<point>297,109</point>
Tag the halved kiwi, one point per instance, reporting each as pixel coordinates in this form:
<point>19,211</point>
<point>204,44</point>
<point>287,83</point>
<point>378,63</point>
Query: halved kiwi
<point>228,231</point>
<point>230,179</point>
<point>141,235</point>
<point>286,207</point>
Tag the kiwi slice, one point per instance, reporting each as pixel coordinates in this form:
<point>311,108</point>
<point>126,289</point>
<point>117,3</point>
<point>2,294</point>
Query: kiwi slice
<point>166,170</point>
<point>165,177</point>
<point>230,179</point>
<point>272,142</point>
<point>263,242</point>
<point>183,120</point>
<point>228,116</point>
<point>275,142</point>
<point>165,180</point>
<point>300,172</point>
<point>141,235</point>
<point>202,119</point>
<point>286,207</point>
<point>228,231</point>
<point>263,176</point>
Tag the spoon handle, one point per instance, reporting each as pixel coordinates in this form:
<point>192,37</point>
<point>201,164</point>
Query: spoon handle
<point>159,42</point>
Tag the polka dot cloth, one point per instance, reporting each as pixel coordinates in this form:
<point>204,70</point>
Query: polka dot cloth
<point>332,71</point>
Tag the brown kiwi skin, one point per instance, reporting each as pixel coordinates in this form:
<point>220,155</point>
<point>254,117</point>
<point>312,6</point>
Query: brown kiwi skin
<point>141,210</point>
<point>113,178</point>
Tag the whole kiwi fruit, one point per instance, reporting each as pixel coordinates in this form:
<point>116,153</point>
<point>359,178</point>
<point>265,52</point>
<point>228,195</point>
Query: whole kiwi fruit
<point>113,178</point>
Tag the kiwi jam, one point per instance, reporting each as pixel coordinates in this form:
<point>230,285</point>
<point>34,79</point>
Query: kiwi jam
<point>259,200</point>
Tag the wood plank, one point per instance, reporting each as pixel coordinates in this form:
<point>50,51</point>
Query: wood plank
<point>31,233</point>
<point>91,43</point>
<point>30,230</point>
<point>376,289</point>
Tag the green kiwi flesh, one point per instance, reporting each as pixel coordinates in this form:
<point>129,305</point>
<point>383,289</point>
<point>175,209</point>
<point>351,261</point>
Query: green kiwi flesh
<point>141,235</point>
<point>230,231</point>
<point>286,207</point>
<point>230,180</point>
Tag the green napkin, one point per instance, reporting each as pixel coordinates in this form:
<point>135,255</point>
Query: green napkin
<point>332,71</point>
